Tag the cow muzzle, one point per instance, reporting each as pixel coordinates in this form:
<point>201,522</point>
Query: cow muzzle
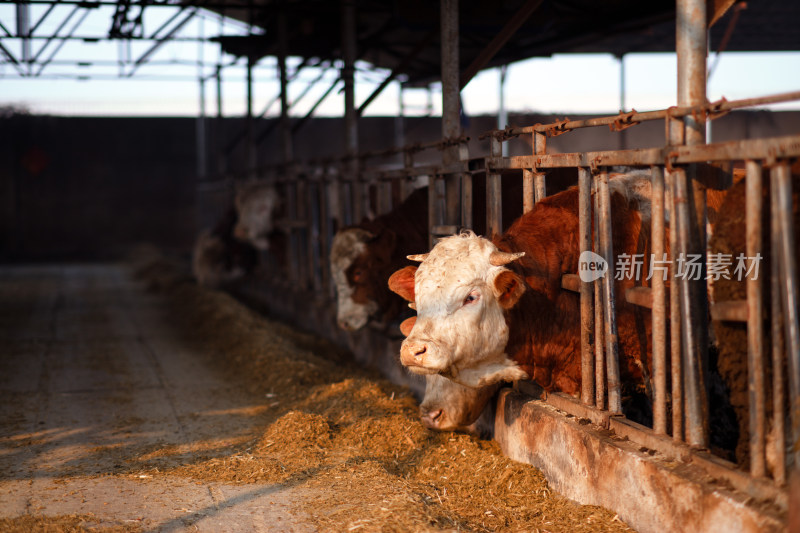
<point>418,356</point>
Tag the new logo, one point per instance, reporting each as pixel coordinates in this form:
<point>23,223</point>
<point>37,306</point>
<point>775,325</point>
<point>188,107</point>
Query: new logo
<point>591,266</point>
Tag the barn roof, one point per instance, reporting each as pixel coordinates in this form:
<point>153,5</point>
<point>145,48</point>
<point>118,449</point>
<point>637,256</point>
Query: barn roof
<point>403,36</point>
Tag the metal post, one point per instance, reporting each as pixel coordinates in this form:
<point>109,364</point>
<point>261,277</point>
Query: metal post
<point>659,306</point>
<point>200,132</point>
<point>250,147</point>
<point>539,148</point>
<point>624,133</point>
<point>502,112</point>
<point>587,317</point>
<point>528,194</point>
<point>220,133</point>
<point>692,48</point>
<point>494,196</point>
<point>692,321</point>
<point>609,312</point>
<point>676,347</point>
<point>782,207</point>
<point>755,335</point>
<point>350,111</point>
<point>399,120</point>
<point>451,104</point>
<point>599,323</point>
<point>778,353</point>
<point>466,200</point>
<point>23,32</point>
<point>285,126</point>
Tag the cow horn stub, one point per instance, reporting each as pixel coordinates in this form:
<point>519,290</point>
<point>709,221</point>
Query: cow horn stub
<point>417,257</point>
<point>499,258</point>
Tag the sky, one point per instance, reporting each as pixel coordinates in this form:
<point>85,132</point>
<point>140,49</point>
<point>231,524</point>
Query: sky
<point>168,85</point>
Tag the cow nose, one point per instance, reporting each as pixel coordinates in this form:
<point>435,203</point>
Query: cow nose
<point>432,419</point>
<point>419,350</point>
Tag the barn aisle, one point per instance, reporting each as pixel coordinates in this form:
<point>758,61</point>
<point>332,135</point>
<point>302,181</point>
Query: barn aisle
<point>92,378</point>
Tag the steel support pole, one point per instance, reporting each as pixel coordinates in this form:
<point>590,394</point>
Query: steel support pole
<point>659,306</point>
<point>609,307</point>
<point>778,351</point>
<point>502,112</point>
<point>692,47</point>
<point>23,32</point>
<point>451,103</point>
<point>250,148</point>
<point>287,154</point>
<point>220,130</point>
<point>350,112</point>
<point>676,347</point>
<point>782,207</point>
<point>601,385</point>
<point>755,334</point>
<point>587,313</point>
<point>200,132</point>
<point>494,196</point>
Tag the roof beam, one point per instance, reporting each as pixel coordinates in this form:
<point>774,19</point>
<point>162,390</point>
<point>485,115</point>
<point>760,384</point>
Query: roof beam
<point>63,41</point>
<point>161,41</point>
<point>399,68</point>
<point>515,23</point>
<point>54,36</point>
<point>11,59</point>
<point>23,31</point>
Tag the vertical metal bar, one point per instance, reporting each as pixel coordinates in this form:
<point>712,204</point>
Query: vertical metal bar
<point>623,135</point>
<point>285,126</point>
<point>200,132</point>
<point>599,322</point>
<point>350,111</point>
<point>776,321</point>
<point>691,44</point>
<point>433,196</point>
<point>325,233</point>
<point>451,102</point>
<point>676,348</point>
<point>755,334</point>
<point>220,133</point>
<point>502,112</point>
<point>399,120</point>
<point>408,163</point>
<point>494,196</point>
<point>659,307</point>
<point>609,312</point>
<point>304,264</point>
<point>250,148</point>
<point>781,182</point>
<point>696,404</point>
<point>314,233</point>
<point>587,313</point>
<point>23,32</point>
<point>539,186</point>
<point>292,265</point>
<point>466,200</point>
<point>528,198</point>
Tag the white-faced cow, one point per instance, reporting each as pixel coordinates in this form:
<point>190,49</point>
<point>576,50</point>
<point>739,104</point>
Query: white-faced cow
<point>218,257</point>
<point>495,311</point>
<point>256,205</point>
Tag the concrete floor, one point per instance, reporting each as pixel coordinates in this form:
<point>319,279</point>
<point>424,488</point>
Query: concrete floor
<point>91,379</point>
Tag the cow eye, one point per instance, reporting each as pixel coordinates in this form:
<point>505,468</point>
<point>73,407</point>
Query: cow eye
<point>358,275</point>
<point>472,297</point>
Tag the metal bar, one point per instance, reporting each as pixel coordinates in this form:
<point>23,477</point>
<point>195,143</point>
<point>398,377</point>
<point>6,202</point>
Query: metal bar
<point>44,64</point>
<point>300,123</point>
<point>712,108</point>
<point>609,311</point>
<point>451,100</point>
<point>41,19</point>
<point>659,304</point>
<point>325,236</point>
<point>696,403</point>
<point>161,41</point>
<point>23,30</point>
<point>494,197</point>
<point>781,182</point>
<point>348,38</point>
<point>220,128</point>
<point>11,59</point>
<point>250,147</point>
<point>691,45</point>
<point>8,33</point>
<point>466,200</point>
<point>432,218</point>
<point>292,263</point>
<point>528,195</point>
<point>51,38</point>
<point>587,312</point>
<point>755,334</point>
<point>399,69</point>
<point>500,39</point>
<point>778,147</point>
<point>599,322</point>
<point>777,332</point>
<point>676,347</point>
<point>285,124</point>
<point>539,186</point>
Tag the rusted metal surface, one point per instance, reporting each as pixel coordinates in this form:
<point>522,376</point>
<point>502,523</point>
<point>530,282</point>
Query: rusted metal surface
<point>593,466</point>
<point>658,304</point>
<point>676,349</point>
<point>754,318</point>
<point>777,334</point>
<point>466,201</point>
<point>691,45</point>
<point>782,207</point>
<point>609,300</point>
<point>599,324</point>
<point>528,197</point>
<point>494,196</point>
<point>691,320</point>
<point>587,312</point>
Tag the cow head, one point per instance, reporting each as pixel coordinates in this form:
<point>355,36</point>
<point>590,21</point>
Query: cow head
<point>359,262</point>
<point>448,406</point>
<point>256,204</point>
<point>461,292</point>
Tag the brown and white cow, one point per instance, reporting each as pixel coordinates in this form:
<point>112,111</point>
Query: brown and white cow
<point>495,311</point>
<point>364,256</point>
<point>257,203</point>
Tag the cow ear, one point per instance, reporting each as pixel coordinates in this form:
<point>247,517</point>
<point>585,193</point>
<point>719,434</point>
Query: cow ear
<point>508,288</point>
<point>407,325</point>
<point>402,282</point>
